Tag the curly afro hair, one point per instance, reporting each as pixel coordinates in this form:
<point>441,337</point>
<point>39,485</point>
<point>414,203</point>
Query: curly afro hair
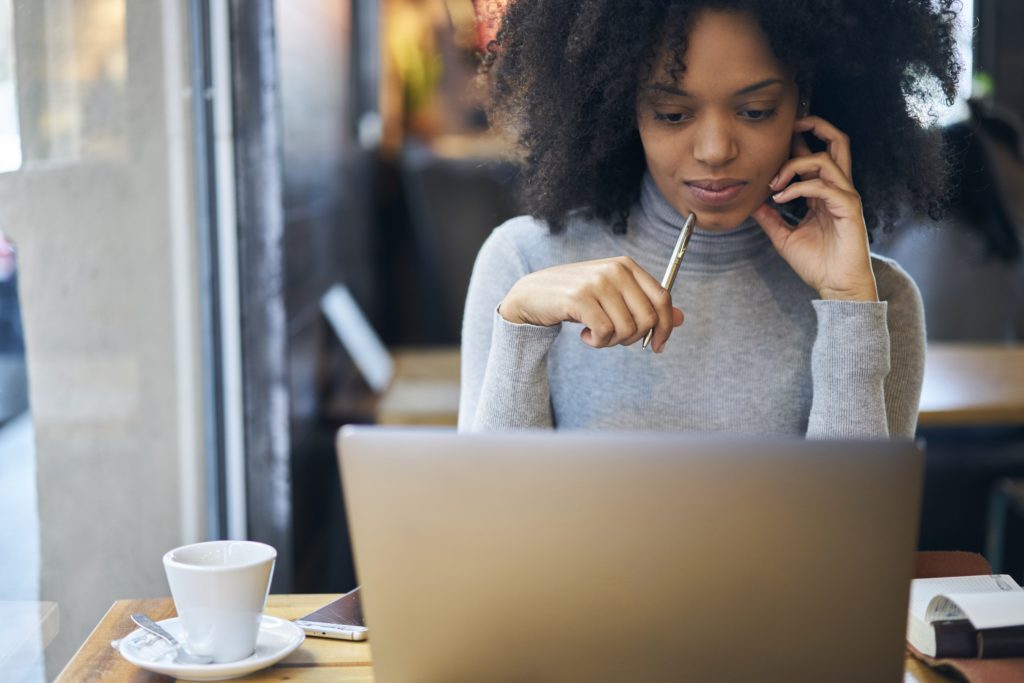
<point>566,74</point>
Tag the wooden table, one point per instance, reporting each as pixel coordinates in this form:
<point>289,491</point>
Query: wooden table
<point>973,385</point>
<point>965,385</point>
<point>318,659</point>
<point>424,390</point>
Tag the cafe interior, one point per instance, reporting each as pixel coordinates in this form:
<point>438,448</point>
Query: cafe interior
<point>229,228</point>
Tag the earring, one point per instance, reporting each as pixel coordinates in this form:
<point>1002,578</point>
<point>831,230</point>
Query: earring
<point>803,107</point>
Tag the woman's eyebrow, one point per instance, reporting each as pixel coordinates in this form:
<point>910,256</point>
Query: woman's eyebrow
<point>757,86</point>
<point>672,89</point>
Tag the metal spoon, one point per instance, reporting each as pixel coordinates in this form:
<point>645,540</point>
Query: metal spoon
<point>181,654</point>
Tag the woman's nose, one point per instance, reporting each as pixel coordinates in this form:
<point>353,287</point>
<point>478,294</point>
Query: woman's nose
<point>714,143</point>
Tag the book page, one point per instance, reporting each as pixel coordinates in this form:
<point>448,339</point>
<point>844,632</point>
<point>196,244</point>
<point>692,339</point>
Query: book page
<point>994,603</point>
<point>984,610</point>
<point>922,591</point>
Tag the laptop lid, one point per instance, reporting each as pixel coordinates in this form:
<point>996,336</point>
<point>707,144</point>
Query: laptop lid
<point>630,557</point>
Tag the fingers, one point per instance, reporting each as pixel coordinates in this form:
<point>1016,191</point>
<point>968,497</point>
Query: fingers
<point>643,312</point>
<point>618,325</point>
<point>838,142</point>
<point>622,304</point>
<point>661,301</point>
<point>840,203</point>
<point>599,330</point>
<point>603,308</point>
<point>819,165</point>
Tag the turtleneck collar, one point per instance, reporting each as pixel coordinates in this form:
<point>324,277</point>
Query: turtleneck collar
<point>653,219</point>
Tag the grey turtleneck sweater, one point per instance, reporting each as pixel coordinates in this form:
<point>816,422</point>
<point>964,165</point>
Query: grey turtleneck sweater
<point>759,353</point>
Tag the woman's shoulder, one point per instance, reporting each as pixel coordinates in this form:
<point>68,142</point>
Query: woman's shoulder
<point>533,239</point>
<point>521,231</point>
<point>527,227</point>
<point>895,284</point>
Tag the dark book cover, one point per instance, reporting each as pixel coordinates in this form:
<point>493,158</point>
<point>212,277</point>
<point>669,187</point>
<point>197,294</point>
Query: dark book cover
<point>1001,642</point>
<point>955,638</point>
<point>958,639</point>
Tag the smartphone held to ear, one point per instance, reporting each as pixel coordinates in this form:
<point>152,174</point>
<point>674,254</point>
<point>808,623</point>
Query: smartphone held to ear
<point>342,619</point>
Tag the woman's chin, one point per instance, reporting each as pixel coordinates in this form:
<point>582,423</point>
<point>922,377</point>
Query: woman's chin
<point>715,222</point>
<point>716,219</point>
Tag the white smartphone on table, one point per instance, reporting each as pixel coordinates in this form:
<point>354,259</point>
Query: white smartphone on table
<point>342,619</point>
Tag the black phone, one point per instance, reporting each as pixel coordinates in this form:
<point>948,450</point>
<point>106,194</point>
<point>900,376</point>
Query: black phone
<point>341,619</point>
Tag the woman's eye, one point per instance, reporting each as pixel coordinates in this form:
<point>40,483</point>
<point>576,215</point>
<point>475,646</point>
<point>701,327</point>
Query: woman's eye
<point>759,114</point>
<point>669,118</point>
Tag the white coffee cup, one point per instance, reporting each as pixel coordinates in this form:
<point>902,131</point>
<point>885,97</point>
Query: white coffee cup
<point>220,589</point>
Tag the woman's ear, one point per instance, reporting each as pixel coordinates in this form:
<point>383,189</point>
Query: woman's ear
<point>803,107</point>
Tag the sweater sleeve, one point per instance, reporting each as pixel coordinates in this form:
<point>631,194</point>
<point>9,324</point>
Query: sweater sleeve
<point>504,382</point>
<point>867,363</point>
<point>908,344</point>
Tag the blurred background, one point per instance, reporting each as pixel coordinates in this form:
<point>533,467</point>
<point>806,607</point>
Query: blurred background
<point>181,184</point>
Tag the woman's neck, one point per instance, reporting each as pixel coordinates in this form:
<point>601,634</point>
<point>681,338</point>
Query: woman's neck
<point>655,220</point>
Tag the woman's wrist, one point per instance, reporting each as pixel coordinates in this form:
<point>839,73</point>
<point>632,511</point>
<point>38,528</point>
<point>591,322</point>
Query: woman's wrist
<point>515,308</point>
<point>511,312</point>
<point>504,311</point>
<point>865,292</point>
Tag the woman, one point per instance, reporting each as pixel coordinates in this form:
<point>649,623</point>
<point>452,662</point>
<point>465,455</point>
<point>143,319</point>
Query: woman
<point>786,128</point>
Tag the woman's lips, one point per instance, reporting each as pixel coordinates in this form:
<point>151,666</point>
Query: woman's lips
<point>716,197</point>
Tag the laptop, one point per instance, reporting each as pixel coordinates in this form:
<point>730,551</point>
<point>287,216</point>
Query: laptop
<point>600,557</point>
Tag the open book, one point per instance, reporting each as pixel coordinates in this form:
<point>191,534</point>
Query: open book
<point>967,616</point>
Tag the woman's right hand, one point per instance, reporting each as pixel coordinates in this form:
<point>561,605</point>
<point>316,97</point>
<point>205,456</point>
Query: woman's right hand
<point>617,301</point>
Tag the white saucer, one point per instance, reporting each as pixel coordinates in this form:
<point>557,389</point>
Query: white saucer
<point>276,640</point>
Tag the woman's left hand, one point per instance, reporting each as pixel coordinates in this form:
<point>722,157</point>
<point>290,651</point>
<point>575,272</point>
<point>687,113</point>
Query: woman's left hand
<point>829,248</point>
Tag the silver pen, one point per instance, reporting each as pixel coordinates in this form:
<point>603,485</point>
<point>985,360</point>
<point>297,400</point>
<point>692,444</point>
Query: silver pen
<point>673,264</point>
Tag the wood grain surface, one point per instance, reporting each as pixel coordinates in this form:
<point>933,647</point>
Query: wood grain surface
<point>965,385</point>
<point>318,659</point>
<point>973,385</point>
